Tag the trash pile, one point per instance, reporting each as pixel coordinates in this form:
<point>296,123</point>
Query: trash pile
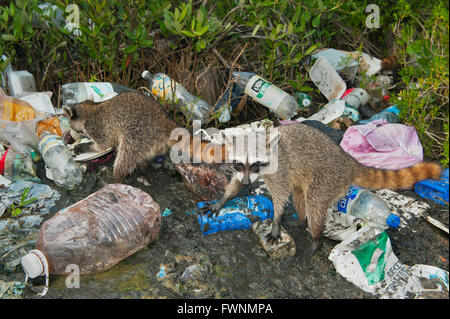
<point>119,220</point>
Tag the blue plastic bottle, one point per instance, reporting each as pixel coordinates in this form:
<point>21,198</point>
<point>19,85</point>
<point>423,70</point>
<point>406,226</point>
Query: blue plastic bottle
<point>236,214</point>
<point>364,204</point>
<point>390,114</point>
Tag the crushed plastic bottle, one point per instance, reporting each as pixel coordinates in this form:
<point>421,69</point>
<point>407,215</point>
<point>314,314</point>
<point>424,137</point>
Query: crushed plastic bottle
<point>60,166</point>
<point>95,233</point>
<point>390,115</point>
<point>236,214</point>
<point>76,92</point>
<point>267,94</point>
<point>364,204</point>
<point>164,87</point>
<point>17,166</point>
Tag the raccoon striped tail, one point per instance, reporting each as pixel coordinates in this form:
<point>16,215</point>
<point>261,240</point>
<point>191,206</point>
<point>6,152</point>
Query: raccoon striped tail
<point>373,178</point>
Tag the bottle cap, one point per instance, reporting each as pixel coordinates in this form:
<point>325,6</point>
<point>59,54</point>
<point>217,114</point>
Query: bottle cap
<point>32,263</point>
<point>393,221</point>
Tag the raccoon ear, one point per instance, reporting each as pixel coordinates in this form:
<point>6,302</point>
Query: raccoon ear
<point>70,112</point>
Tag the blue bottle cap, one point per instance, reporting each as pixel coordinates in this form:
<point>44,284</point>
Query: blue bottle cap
<point>393,221</point>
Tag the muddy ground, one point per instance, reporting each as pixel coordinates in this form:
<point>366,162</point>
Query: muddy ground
<point>228,264</point>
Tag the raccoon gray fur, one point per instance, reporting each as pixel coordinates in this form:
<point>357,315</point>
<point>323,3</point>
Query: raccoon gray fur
<point>133,124</point>
<point>316,172</point>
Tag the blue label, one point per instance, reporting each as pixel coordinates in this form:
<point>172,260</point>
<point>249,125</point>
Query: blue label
<point>345,202</point>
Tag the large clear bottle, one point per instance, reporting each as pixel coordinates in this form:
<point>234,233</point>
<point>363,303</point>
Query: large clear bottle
<point>59,163</point>
<point>95,233</point>
<point>164,87</point>
<point>267,94</point>
<point>364,204</point>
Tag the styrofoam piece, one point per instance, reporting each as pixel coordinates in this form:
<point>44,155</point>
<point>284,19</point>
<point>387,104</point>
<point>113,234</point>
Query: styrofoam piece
<point>21,81</point>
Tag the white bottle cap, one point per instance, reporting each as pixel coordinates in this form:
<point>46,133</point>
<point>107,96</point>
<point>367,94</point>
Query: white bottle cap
<point>146,75</point>
<point>32,264</point>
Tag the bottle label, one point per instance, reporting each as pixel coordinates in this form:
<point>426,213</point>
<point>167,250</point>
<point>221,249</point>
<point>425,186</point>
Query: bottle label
<point>345,203</point>
<point>97,92</point>
<point>265,92</point>
<point>162,86</point>
<point>50,141</point>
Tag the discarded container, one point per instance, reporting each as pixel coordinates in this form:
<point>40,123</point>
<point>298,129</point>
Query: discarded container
<point>236,214</point>
<point>5,74</point>
<point>95,233</point>
<point>18,166</point>
<point>284,247</point>
<point>331,111</point>
<point>267,94</point>
<point>390,115</point>
<point>366,259</point>
<point>351,113</point>
<point>60,166</point>
<point>327,79</point>
<point>40,102</point>
<point>383,145</point>
<point>364,204</point>
<point>206,182</point>
<point>303,99</point>
<point>12,109</point>
<point>355,97</point>
<point>21,81</point>
<point>76,92</point>
<point>167,89</point>
<point>434,190</point>
<point>226,104</point>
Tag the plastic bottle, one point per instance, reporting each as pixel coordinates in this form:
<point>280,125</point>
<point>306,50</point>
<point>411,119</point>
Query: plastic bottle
<point>267,94</point>
<point>303,99</point>
<point>163,87</point>
<point>76,92</point>
<point>236,214</point>
<point>12,109</point>
<point>60,166</point>
<point>364,204</point>
<point>390,114</point>
<point>95,233</point>
<point>17,166</point>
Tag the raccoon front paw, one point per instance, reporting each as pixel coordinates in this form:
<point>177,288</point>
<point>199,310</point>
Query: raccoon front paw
<point>210,209</point>
<point>272,239</point>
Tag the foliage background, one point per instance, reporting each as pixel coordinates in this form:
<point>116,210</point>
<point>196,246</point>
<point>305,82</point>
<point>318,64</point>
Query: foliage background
<point>122,38</point>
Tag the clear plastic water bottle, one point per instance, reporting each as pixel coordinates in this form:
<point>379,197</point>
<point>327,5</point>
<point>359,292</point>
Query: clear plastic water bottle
<point>60,166</point>
<point>364,204</point>
<point>163,87</point>
<point>76,92</point>
<point>95,233</point>
<point>267,94</point>
<point>236,214</point>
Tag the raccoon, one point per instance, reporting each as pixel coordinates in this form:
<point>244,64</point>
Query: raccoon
<point>390,62</point>
<point>133,124</point>
<point>316,172</point>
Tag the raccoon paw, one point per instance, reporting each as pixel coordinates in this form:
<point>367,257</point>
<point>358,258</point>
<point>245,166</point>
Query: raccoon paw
<point>315,246</point>
<point>272,239</point>
<point>210,209</point>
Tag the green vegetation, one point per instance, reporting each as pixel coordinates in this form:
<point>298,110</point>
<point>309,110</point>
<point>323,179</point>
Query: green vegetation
<point>119,39</point>
<point>16,209</point>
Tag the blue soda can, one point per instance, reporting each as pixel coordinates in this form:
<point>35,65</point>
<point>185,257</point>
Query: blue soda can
<point>238,213</point>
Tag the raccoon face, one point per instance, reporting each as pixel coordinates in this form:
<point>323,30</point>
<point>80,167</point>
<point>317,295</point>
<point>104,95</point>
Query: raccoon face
<point>76,122</point>
<point>247,173</point>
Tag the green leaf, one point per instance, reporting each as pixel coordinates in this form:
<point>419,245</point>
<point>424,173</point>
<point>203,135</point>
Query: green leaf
<point>130,48</point>
<point>316,21</point>
<point>311,49</point>
<point>9,37</point>
<point>29,201</point>
<point>255,30</point>
<point>188,33</point>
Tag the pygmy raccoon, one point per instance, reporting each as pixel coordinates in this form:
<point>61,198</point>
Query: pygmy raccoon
<point>316,172</point>
<point>135,125</point>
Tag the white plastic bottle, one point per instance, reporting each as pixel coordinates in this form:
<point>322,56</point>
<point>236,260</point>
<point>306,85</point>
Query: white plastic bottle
<point>364,204</point>
<point>60,166</point>
<point>163,87</point>
<point>76,92</point>
<point>267,94</point>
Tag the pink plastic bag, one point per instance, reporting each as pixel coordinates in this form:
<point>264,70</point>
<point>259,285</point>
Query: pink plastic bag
<point>383,145</point>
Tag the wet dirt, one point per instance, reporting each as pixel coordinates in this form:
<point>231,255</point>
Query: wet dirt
<point>183,263</point>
